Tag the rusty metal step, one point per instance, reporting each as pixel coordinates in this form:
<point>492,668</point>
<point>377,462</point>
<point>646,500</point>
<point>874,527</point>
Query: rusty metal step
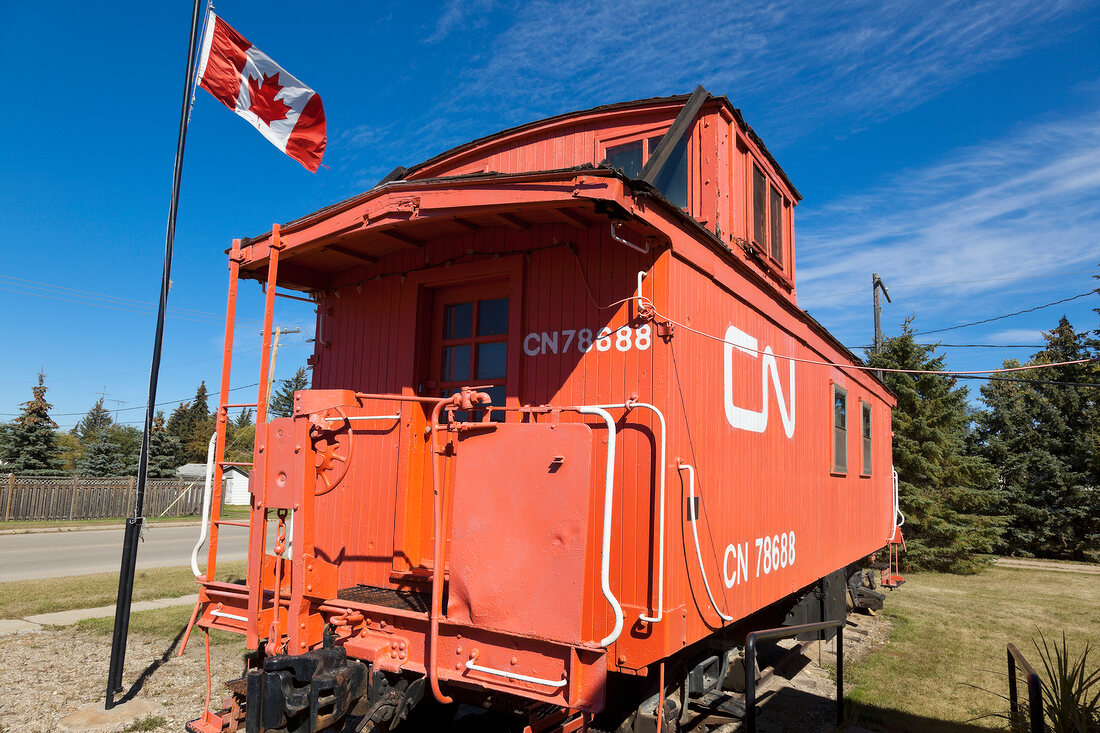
<point>405,600</point>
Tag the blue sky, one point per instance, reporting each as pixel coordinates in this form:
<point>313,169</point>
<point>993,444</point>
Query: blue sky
<point>954,148</point>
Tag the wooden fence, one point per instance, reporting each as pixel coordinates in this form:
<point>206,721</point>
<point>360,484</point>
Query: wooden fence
<point>78,497</point>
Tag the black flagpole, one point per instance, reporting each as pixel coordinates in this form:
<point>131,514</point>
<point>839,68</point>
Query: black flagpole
<point>134,523</point>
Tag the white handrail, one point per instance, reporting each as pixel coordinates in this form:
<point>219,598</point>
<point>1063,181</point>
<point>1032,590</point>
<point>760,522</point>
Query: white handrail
<point>608,504</point>
<point>514,675</point>
<point>695,532</point>
<point>897,507</point>
<point>205,505</point>
<point>661,539</point>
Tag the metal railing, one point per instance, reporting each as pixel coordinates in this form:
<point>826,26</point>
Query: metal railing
<point>1034,692</point>
<point>785,632</point>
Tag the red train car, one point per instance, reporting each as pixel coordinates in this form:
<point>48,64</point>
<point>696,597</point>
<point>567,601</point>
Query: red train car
<point>568,432</point>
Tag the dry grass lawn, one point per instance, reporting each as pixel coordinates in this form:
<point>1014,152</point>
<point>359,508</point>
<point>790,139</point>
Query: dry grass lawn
<point>28,597</point>
<point>949,638</point>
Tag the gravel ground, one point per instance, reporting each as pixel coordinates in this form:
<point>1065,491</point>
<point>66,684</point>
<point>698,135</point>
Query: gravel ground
<point>802,694</point>
<point>51,673</point>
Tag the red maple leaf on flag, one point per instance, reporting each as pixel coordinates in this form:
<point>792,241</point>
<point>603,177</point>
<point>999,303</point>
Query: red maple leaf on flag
<point>262,101</point>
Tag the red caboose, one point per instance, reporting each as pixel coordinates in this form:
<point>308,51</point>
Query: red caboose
<point>568,433</point>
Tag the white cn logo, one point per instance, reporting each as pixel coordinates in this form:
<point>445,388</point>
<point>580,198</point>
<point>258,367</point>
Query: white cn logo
<point>756,421</point>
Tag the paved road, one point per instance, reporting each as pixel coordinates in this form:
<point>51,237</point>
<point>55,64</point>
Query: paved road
<point>56,554</point>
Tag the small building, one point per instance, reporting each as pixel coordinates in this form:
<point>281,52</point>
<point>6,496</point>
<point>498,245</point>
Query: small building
<point>234,481</point>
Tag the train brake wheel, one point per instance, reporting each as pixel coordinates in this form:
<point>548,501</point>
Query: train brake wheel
<point>330,432</point>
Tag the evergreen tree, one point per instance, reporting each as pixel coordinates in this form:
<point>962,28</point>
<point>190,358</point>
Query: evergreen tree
<point>1044,441</point>
<point>164,449</point>
<point>244,419</point>
<point>97,418</point>
<point>191,425</point>
<point>101,457</point>
<point>112,451</point>
<point>180,425</point>
<point>31,446</point>
<point>947,494</point>
<point>282,402</point>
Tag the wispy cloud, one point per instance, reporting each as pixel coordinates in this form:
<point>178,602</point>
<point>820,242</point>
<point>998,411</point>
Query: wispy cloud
<point>1027,204</point>
<point>854,61</point>
<point>793,69</point>
<point>458,14</point>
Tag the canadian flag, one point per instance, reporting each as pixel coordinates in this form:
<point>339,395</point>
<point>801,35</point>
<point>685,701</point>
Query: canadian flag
<point>247,81</point>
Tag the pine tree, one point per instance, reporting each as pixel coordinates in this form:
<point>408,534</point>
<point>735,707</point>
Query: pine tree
<point>97,418</point>
<point>163,450</point>
<point>948,495</point>
<point>244,419</point>
<point>31,446</point>
<point>282,402</point>
<point>1044,441</point>
<point>102,457</point>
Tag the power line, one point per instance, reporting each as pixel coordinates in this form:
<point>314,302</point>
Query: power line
<point>952,282</point>
<point>1032,381</point>
<point>1009,315</point>
<point>21,286</point>
<point>965,346</point>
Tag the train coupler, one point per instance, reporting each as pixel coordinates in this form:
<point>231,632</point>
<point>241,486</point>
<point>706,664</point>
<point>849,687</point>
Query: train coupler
<point>303,693</point>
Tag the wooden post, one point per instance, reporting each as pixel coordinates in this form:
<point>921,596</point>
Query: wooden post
<point>11,487</point>
<point>72,500</point>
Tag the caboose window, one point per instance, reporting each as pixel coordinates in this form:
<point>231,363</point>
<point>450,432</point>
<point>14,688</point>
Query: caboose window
<point>672,178</point>
<point>472,343</point>
<point>776,225</point>
<point>865,468</point>
<point>840,430</point>
<point>626,158</point>
<point>759,206</point>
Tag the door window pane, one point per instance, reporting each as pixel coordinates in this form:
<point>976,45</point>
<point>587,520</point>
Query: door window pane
<point>492,317</point>
<point>458,321</point>
<point>456,363</point>
<point>491,360</point>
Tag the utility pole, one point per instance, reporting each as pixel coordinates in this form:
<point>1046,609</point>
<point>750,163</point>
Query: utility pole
<point>876,285</point>
<point>271,367</point>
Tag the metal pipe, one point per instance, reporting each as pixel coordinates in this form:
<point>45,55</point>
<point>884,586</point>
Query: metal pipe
<point>125,595</point>
<point>608,504</point>
<point>437,561</point>
<point>514,676</point>
<point>695,533</point>
<point>783,633</point>
<point>615,225</point>
<point>364,417</point>
<point>661,522</point>
<point>205,506</point>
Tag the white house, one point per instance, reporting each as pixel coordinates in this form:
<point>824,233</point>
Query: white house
<point>234,481</point>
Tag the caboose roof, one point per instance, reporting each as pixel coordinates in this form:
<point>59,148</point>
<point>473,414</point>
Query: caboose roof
<point>677,100</point>
<point>423,171</point>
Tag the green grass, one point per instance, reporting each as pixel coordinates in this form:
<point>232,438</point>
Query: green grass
<point>945,661</point>
<point>163,623</point>
<point>228,512</point>
<point>149,722</point>
<point>29,597</point>
<point>107,523</point>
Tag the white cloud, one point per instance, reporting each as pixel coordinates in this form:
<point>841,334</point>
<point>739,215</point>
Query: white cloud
<point>851,61</point>
<point>1028,204</point>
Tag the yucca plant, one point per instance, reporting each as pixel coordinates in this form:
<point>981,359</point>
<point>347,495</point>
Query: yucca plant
<point>1071,691</point>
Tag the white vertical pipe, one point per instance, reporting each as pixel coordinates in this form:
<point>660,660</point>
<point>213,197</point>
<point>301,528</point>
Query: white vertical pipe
<point>205,505</point>
<point>695,532</point>
<point>608,504</point>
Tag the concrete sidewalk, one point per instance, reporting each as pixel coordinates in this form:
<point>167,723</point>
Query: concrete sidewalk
<point>65,618</point>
